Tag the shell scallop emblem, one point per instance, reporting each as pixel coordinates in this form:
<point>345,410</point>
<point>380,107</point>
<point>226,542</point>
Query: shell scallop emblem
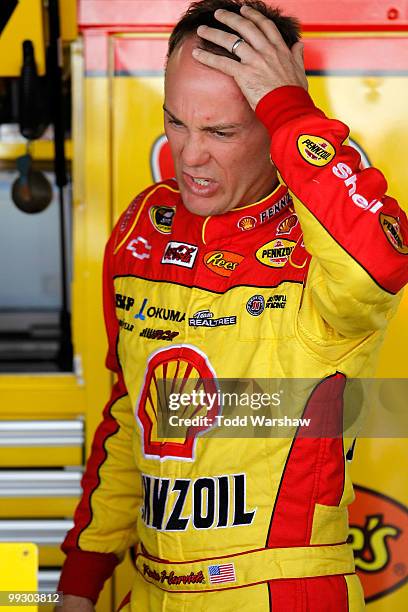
<point>171,372</point>
<point>286,226</point>
<point>246,223</point>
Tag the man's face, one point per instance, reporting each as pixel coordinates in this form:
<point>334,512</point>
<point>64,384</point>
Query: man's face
<point>220,149</point>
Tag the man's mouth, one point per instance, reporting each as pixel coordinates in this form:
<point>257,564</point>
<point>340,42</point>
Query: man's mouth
<point>200,181</point>
<point>200,185</point>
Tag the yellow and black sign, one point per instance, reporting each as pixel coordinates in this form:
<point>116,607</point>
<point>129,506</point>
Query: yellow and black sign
<point>20,20</point>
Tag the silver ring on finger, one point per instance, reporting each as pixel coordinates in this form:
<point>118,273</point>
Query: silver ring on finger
<point>236,45</point>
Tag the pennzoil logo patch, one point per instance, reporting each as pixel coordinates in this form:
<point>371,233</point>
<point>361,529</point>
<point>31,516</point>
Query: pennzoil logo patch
<point>276,253</point>
<point>162,218</point>
<point>391,228</point>
<point>315,150</point>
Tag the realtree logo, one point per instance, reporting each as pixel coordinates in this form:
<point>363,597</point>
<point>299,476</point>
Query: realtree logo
<point>378,536</point>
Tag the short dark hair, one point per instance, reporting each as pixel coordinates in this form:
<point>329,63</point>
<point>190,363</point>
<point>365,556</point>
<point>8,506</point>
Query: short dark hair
<point>202,13</point>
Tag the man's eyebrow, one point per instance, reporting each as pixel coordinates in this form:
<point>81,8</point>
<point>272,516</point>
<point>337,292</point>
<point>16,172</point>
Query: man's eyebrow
<point>210,128</point>
<point>171,115</point>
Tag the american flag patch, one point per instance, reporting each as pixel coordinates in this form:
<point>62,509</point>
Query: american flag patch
<point>221,573</point>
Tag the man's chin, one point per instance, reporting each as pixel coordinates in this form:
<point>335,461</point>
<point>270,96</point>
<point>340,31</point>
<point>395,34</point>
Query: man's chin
<point>202,206</point>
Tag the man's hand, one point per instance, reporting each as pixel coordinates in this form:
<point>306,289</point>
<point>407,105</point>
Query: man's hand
<point>266,62</point>
<point>72,603</point>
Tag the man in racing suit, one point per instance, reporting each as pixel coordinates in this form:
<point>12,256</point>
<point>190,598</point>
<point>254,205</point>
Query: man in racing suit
<point>296,279</point>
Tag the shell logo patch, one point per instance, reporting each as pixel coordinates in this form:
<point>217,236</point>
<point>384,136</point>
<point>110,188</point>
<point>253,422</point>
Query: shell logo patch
<point>315,150</point>
<point>286,226</point>
<point>246,223</point>
<point>379,539</point>
<point>392,231</point>
<point>173,370</point>
<point>276,253</point>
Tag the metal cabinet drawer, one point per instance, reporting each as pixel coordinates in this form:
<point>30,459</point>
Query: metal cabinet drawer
<point>41,443</point>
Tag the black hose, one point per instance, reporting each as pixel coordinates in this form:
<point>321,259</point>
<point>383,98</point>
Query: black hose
<point>54,71</point>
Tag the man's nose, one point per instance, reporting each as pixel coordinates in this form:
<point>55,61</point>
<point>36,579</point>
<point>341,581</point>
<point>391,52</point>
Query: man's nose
<point>195,151</point>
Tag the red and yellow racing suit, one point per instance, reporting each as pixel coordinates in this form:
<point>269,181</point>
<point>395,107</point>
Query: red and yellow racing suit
<point>300,284</point>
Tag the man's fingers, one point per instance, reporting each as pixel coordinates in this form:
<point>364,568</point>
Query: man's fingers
<point>219,62</point>
<point>265,25</point>
<point>223,39</point>
<point>246,28</point>
<point>297,54</point>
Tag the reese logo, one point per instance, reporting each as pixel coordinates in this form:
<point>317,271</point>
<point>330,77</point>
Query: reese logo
<point>162,218</point>
<point>379,538</point>
<point>392,230</point>
<point>216,501</point>
<point>180,254</point>
<point>222,262</point>
<point>275,254</point>
<point>315,150</point>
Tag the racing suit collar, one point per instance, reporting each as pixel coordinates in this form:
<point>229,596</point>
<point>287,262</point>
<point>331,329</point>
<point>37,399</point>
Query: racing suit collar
<point>241,219</point>
<point>248,217</point>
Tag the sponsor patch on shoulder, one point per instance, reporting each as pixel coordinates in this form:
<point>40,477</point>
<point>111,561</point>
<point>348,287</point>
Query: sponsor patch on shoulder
<point>315,150</point>
<point>128,214</point>
<point>391,228</point>
<point>162,218</point>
